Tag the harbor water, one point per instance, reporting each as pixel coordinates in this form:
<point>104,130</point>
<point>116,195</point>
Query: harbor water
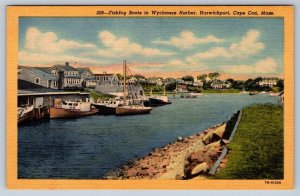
<point>89,147</point>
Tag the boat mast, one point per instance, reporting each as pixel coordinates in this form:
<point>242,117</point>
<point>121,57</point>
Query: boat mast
<point>124,73</point>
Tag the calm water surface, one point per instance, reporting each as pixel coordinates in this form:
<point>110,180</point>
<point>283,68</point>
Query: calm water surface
<point>89,147</point>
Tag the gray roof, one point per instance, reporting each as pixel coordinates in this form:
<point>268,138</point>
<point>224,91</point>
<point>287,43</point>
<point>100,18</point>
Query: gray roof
<point>45,69</point>
<point>83,69</point>
<point>65,68</point>
<point>40,72</point>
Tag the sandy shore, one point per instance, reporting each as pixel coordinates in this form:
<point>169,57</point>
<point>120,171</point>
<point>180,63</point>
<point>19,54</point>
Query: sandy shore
<point>187,158</point>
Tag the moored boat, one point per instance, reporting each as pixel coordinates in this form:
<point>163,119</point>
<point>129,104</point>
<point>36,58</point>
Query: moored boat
<point>157,100</point>
<point>130,107</point>
<point>274,94</point>
<point>253,93</point>
<point>72,109</point>
<point>24,113</point>
<point>108,107</point>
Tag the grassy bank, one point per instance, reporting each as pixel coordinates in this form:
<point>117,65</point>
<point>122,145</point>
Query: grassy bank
<point>256,151</point>
<point>96,95</point>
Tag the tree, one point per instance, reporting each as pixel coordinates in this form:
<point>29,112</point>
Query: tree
<point>280,84</point>
<point>170,86</point>
<point>202,77</point>
<point>139,76</point>
<point>214,75</point>
<point>120,76</point>
<point>188,78</point>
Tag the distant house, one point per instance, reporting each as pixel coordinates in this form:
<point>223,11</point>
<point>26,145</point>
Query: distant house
<point>219,84</point>
<point>181,88</point>
<point>179,81</point>
<point>38,76</point>
<point>155,81</point>
<point>87,77</point>
<point>270,82</point>
<point>68,76</point>
<point>198,83</point>
<point>107,79</point>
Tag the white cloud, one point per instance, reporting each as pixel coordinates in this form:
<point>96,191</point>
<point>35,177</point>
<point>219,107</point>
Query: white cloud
<point>187,39</point>
<point>249,45</point>
<point>267,65</point>
<point>114,46</point>
<point>263,66</point>
<point>37,59</point>
<point>48,42</point>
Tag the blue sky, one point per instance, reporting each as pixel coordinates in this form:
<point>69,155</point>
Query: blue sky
<point>231,46</point>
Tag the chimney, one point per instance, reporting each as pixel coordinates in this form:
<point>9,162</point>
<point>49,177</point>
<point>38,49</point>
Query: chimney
<point>67,63</point>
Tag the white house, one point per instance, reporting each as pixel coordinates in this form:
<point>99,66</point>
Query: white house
<point>268,82</point>
<point>219,84</point>
<point>155,81</point>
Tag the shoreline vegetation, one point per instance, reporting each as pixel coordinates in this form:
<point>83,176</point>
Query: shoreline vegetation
<point>255,152</point>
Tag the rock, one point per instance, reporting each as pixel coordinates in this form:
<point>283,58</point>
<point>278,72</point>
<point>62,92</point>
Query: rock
<point>191,137</point>
<point>131,172</point>
<point>143,172</point>
<point>201,168</point>
<point>144,165</point>
<point>216,144</point>
<point>164,163</point>
<point>222,165</point>
<point>196,157</point>
<point>224,160</point>
<point>206,139</point>
<point>179,139</point>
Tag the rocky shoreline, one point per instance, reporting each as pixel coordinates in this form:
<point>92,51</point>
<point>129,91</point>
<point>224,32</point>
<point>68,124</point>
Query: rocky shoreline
<point>188,158</point>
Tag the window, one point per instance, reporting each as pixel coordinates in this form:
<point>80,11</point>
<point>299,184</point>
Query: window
<point>37,80</point>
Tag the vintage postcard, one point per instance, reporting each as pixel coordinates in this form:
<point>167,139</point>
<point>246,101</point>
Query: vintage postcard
<point>150,97</point>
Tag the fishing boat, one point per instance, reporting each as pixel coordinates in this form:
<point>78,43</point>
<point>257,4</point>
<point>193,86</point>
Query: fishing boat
<point>72,109</point>
<point>24,113</point>
<point>253,93</point>
<point>273,94</point>
<point>130,107</point>
<point>157,100</point>
<point>108,107</point>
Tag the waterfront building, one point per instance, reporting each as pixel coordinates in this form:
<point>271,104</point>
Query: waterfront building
<point>38,76</point>
<point>270,82</point>
<point>88,78</point>
<point>68,76</point>
<point>107,79</point>
<point>42,98</point>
